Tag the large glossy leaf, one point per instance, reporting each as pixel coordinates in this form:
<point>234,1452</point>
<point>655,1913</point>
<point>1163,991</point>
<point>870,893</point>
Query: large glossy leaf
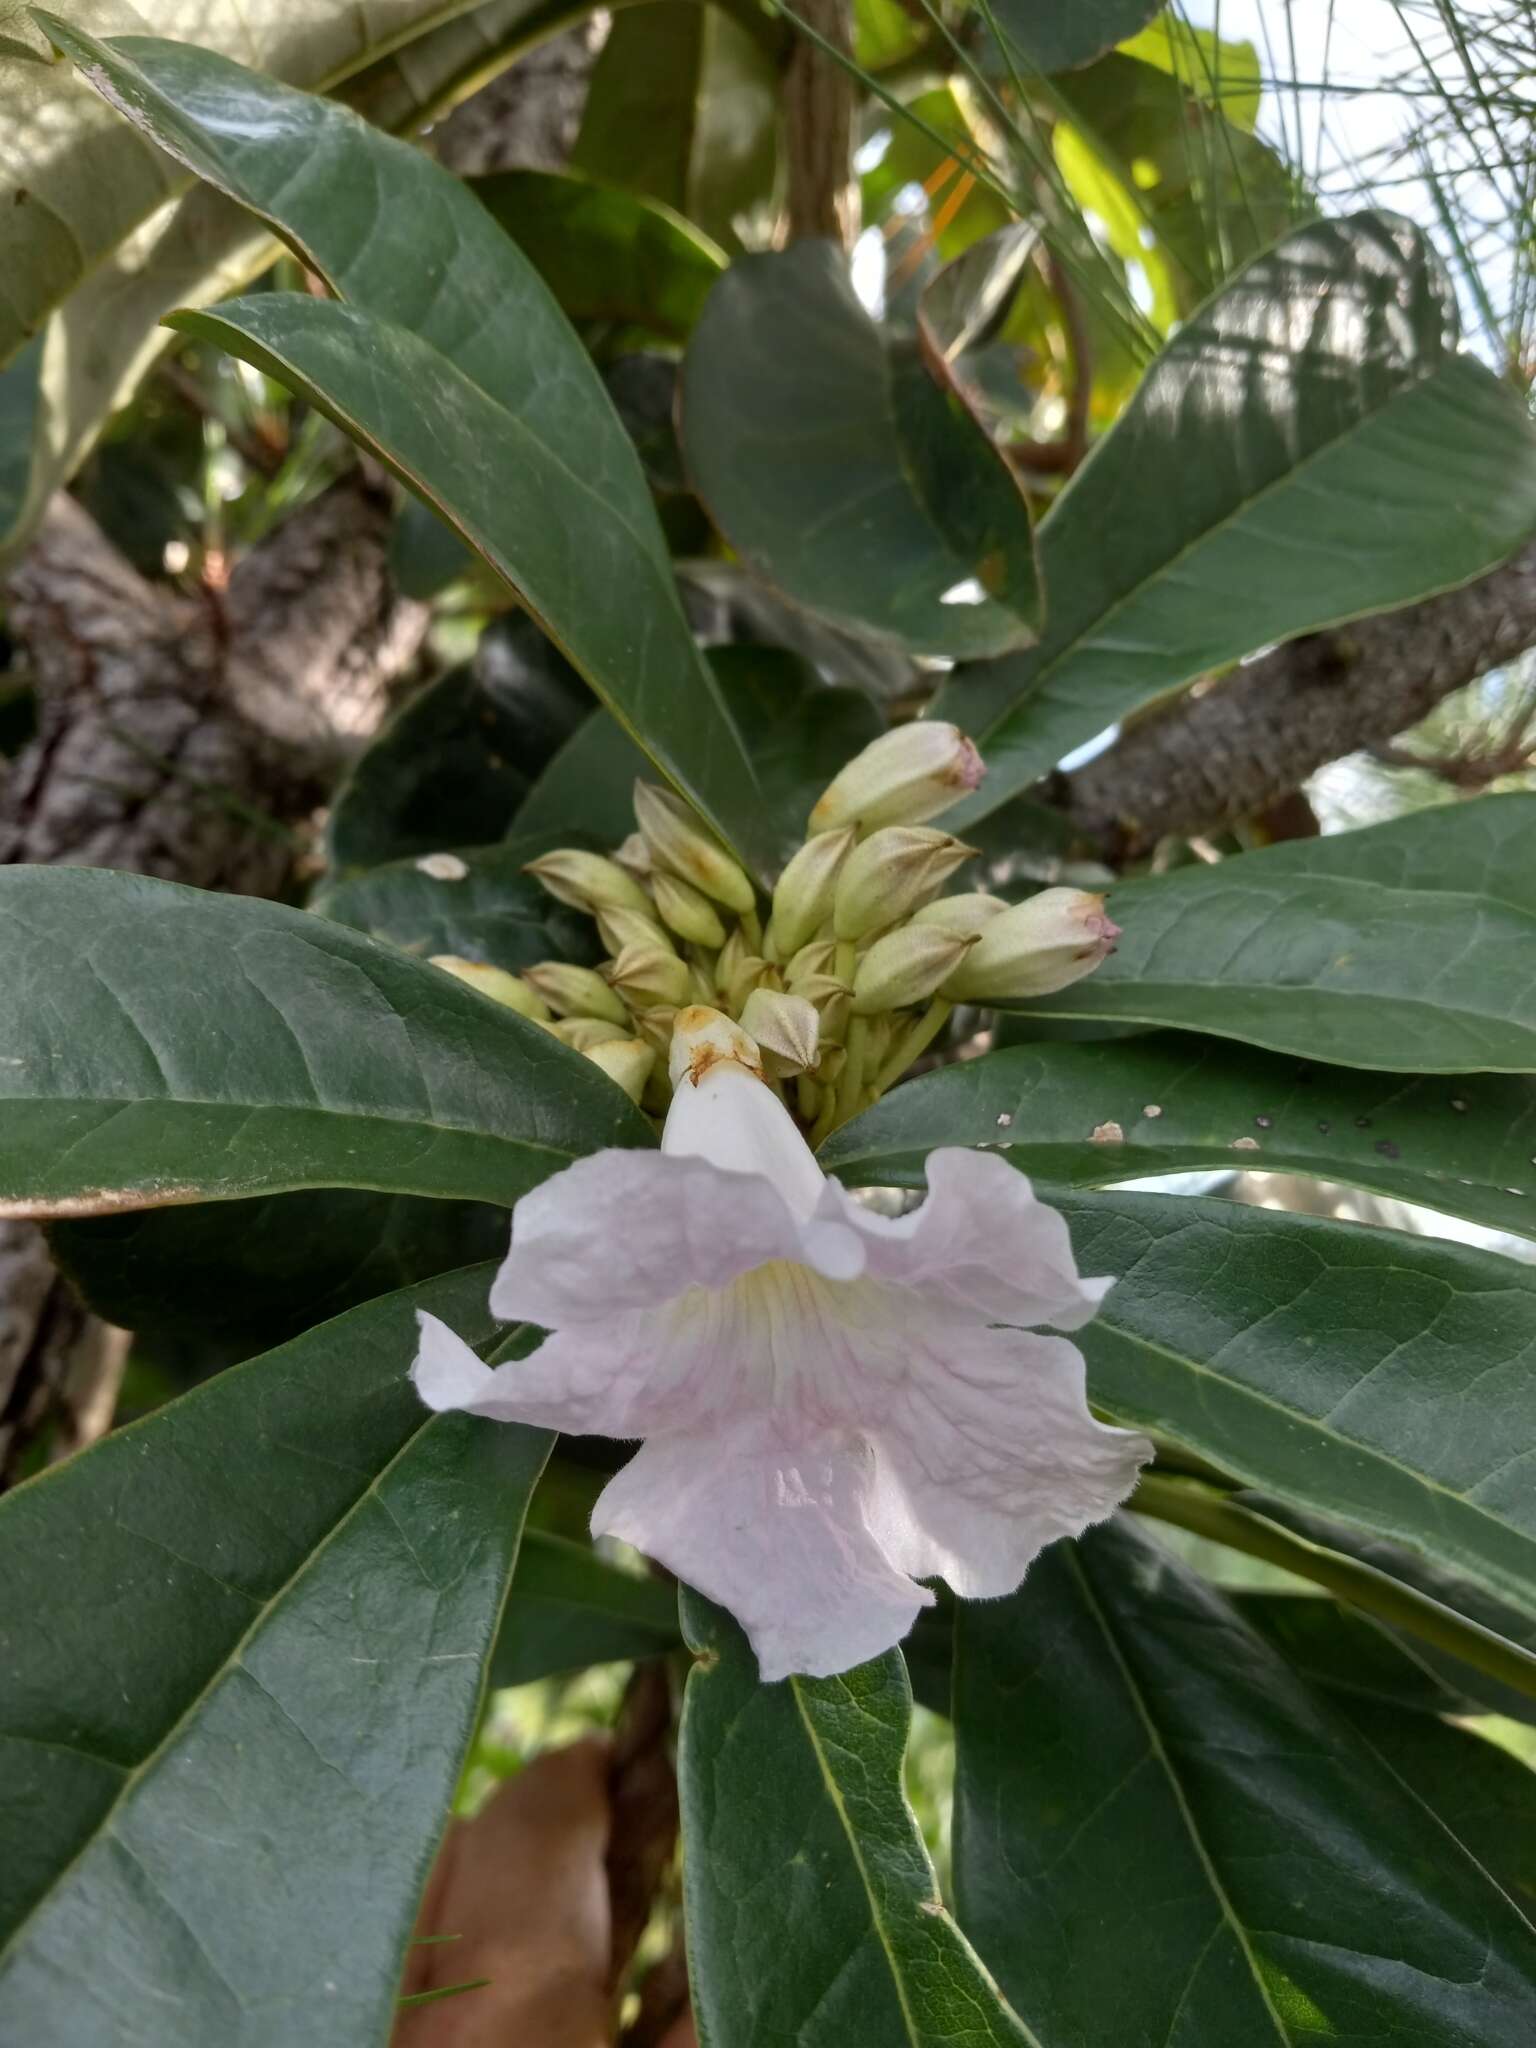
<point>163,1045</point>
<point>841,471</point>
<point>1045,36</point>
<point>212,1282</point>
<point>1162,1836</point>
<point>231,1744</point>
<point>799,732</point>
<point>102,227</point>
<point>463,374</point>
<point>571,1608</point>
<point>1409,945</point>
<point>462,754</point>
<point>1375,1377</point>
<point>813,1911</point>
<point>683,107</point>
<point>605,253</point>
<point>492,911</point>
<point>1309,447</point>
<point>1090,1115</point>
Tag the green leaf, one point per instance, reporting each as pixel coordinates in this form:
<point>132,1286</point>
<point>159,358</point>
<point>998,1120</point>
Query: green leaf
<point>224,1280</point>
<point>461,375</point>
<point>231,1749</point>
<point>1168,1104</point>
<point>1350,1654</point>
<point>1307,448</point>
<point>842,473</point>
<point>917,155</point>
<point>1409,945</point>
<point>1048,37</point>
<point>1161,1835</point>
<point>683,107</point>
<point>609,254</point>
<point>493,911</point>
<point>1211,67</point>
<point>569,1608</point>
<point>102,239</point>
<point>813,1911</point>
<point>798,730</point>
<point>463,753</point>
<point>164,1045</point>
<point>1379,1378</point>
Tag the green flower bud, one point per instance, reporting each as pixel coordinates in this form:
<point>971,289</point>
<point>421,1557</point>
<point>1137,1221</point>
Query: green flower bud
<point>803,895</point>
<point>643,975</point>
<point>1036,947</point>
<point>582,1033</point>
<point>685,911</point>
<point>621,928</point>
<point>816,958</point>
<point>588,882</point>
<point>655,1026</point>
<point>890,873</point>
<point>903,777</point>
<point>787,1030</point>
<point>626,1061</point>
<point>750,972</point>
<point>968,916</point>
<point>678,841</point>
<point>495,982</point>
<point>905,967</point>
<point>634,856</point>
<point>576,991</point>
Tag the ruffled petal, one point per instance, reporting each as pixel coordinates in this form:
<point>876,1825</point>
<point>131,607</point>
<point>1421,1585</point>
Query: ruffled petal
<point>981,1245</point>
<point>987,1452</point>
<point>626,1230</point>
<point>775,1530</point>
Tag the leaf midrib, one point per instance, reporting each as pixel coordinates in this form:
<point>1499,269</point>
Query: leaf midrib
<point>915,2034</point>
<point>1089,632</point>
<point>1164,1761</point>
<point>1242,1391</point>
<point>135,1773</point>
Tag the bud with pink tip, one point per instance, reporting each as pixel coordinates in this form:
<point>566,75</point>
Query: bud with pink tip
<point>1035,948</point>
<point>902,778</point>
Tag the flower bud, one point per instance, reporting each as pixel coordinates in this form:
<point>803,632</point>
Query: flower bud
<point>890,874</point>
<point>701,1037</point>
<point>802,897</point>
<point>1035,947</point>
<point>576,991</point>
<point>787,1030</point>
<point>903,777</point>
<point>587,881</point>
<point>967,916</point>
<point>816,958</point>
<point>685,911</point>
<point>495,982</point>
<point>643,975</point>
<point>621,928</point>
<point>634,856</point>
<point>906,966</point>
<point>678,841</point>
<point>655,1027</point>
<point>750,972</point>
<point>626,1061</point>
<point>582,1033</point>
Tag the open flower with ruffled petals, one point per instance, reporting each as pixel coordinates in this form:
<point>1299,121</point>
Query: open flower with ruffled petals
<point>834,1404</point>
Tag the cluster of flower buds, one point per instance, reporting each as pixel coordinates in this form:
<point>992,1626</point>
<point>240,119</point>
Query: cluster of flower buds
<point>856,966</point>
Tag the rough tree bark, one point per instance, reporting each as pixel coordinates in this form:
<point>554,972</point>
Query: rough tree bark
<point>1234,749</point>
<point>182,737</point>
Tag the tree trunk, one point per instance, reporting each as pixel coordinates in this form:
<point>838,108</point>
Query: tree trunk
<point>187,738</point>
<point>1235,749</point>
